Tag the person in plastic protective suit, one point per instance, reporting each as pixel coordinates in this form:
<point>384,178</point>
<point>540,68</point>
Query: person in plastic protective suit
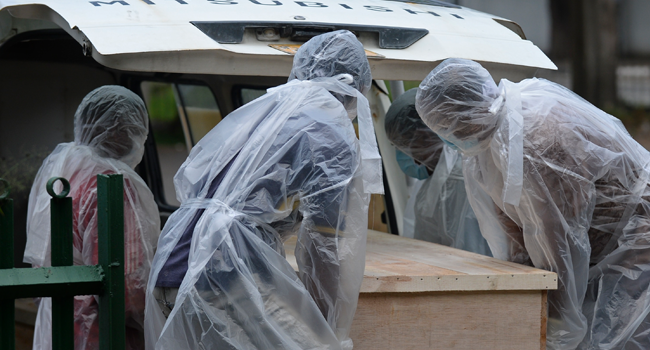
<point>110,128</point>
<point>286,163</point>
<point>559,184</point>
<point>440,208</point>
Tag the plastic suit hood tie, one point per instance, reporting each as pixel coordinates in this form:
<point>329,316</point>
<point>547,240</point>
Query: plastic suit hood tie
<point>510,98</point>
<point>203,203</point>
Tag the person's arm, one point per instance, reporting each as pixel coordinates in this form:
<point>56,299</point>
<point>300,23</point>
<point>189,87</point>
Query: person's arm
<point>141,224</point>
<point>555,209</point>
<point>135,257</point>
<point>331,240</point>
<point>331,251</point>
<point>503,235</point>
<point>516,248</point>
<point>141,230</point>
<point>553,216</point>
<point>619,285</point>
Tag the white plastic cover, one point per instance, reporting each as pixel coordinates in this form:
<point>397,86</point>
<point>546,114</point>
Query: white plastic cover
<point>110,130</point>
<point>286,163</point>
<point>316,60</point>
<point>442,211</point>
<point>438,210</point>
<point>558,183</point>
<point>413,188</point>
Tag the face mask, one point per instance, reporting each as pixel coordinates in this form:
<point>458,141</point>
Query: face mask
<point>409,167</point>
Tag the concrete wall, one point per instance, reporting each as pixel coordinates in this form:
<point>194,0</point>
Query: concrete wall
<point>634,27</point>
<point>534,16</point>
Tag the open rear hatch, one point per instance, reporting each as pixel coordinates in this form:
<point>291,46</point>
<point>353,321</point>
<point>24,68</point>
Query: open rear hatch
<point>405,40</point>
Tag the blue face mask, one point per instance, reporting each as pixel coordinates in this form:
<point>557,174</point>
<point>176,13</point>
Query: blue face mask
<point>409,167</point>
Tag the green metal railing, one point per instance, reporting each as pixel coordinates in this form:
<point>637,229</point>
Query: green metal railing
<point>62,281</point>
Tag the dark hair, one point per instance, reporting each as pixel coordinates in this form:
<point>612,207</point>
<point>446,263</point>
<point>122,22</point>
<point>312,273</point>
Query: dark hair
<point>406,130</point>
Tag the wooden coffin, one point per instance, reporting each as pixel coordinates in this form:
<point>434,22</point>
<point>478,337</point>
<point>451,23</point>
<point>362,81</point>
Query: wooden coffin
<point>420,295</point>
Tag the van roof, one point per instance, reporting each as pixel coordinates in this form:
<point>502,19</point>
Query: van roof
<point>405,39</point>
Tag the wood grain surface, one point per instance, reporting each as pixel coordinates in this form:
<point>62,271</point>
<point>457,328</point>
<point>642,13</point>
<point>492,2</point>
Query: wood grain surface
<point>398,264</point>
<point>497,320</point>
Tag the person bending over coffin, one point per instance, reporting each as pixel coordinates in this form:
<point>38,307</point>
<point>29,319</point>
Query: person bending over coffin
<point>441,210</point>
<point>286,163</point>
<point>559,184</point>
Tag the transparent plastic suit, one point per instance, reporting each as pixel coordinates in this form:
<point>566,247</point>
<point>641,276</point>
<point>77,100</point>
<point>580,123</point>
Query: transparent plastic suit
<point>286,163</point>
<point>442,214</point>
<point>558,183</point>
<point>110,130</point>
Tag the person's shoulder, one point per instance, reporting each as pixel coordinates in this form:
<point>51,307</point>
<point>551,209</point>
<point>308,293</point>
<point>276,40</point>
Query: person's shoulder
<point>331,122</point>
<point>315,111</point>
<point>544,87</point>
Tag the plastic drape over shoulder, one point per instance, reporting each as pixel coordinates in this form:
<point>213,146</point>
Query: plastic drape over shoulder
<point>110,130</point>
<point>286,163</point>
<point>558,183</point>
<point>440,210</point>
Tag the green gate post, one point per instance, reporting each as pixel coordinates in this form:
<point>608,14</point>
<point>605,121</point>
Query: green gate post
<point>110,207</point>
<point>62,281</point>
<point>7,335</point>
<point>61,243</point>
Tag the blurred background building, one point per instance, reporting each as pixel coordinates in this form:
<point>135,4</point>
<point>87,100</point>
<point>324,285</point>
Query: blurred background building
<point>601,47</point>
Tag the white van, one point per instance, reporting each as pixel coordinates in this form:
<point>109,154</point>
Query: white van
<point>210,57</point>
<point>196,61</point>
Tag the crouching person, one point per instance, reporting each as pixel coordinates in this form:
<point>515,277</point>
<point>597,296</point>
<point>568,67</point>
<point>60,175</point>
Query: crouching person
<point>440,208</point>
<point>559,184</point>
<point>287,163</point>
<point>110,129</point>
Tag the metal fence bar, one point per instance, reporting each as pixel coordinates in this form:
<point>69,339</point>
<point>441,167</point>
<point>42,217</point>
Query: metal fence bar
<point>7,331</point>
<point>60,281</point>
<point>110,208</point>
<point>61,245</point>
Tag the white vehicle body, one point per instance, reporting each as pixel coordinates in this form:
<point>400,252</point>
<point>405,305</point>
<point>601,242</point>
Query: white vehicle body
<point>158,35</point>
<point>246,40</point>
